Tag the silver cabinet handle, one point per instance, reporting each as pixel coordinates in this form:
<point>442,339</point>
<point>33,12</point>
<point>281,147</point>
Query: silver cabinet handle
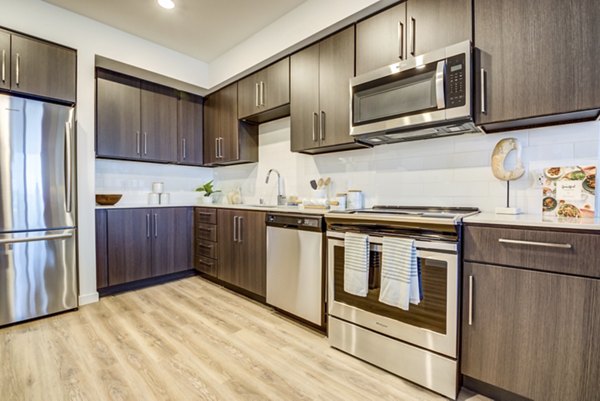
<point>400,40</point>
<point>18,69</point>
<point>147,225</point>
<point>483,94</point>
<point>183,148</point>
<point>3,65</point>
<point>240,221</point>
<point>155,225</point>
<point>68,166</point>
<point>256,94</point>
<point>235,220</point>
<point>137,142</point>
<point>322,126</point>
<point>145,143</point>
<point>314,129</point>
<point>221,141</point>
<point>262,93</point>
<point>533,243</point>
<point>216,148</point>
<point>439,84</point>
<point>470,311</point>
<point>33,239</point>
<point>413,39</point>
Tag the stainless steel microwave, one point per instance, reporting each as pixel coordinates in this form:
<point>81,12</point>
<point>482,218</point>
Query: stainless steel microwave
<point>424,97</point>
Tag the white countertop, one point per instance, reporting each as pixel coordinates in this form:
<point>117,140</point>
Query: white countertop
<point>531,220</point>
<point>264,208</point>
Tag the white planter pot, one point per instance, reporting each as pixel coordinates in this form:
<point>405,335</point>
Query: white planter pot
<point>207,199</point>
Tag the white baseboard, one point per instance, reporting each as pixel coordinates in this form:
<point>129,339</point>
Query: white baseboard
<point>88,298</point>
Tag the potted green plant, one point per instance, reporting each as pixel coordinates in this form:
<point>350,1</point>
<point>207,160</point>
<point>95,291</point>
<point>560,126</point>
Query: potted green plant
<point>208,190</point>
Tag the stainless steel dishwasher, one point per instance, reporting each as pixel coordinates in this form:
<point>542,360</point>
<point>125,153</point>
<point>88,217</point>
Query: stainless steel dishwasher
<point>295,273</point>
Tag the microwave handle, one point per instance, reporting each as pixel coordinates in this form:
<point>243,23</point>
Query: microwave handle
<point>439,84</point>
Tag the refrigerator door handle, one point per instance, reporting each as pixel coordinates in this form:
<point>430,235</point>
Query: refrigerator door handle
<point>33,239</point>
<point>68,166</point>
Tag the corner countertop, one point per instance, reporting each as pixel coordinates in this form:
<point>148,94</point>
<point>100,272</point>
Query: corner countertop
<point>531,220</point>
<point>263,208</point>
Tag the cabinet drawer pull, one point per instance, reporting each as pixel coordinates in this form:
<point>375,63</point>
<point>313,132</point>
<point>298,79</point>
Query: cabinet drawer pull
<point>533,243</point>
<point>240,221</point>
<point>314,129</point>
<point>145,143</point>
<point>413,39</point>
<point>147,226</point>
<point>203,229</point>
<point>137,142</point>
<point>322,128</point>
<point>256,94</point>
<point>155,225</point>
<point>205,213</point>
<point>183,148</point>
<point>235,224</point>
<point>18,69</point>
<point>471,279</point>
<point>262,93</point>
<point>204,246</point>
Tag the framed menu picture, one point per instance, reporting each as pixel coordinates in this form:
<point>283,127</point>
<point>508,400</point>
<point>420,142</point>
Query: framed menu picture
<point>569,191</point>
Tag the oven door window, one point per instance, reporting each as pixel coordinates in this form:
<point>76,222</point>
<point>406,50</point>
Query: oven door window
<point>397,95</point>
<point>430,314</point>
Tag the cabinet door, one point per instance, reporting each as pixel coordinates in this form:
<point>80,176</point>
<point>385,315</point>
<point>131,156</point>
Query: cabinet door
<point>164,240</point>
<point>228,247</point>
<point>210,136</point>
<point>381,39</point>
<point>434,24</point>
<point>249,94</point>
<point>304,99</point>
<point>336,69</point>
<point>129,245</point>
<point>184,238</point>
<point>4,60</point>
<point>190,130</point>
<point>43,69</point>
<point>276,84</point>
<point>251,262</point>
<point>229,124</point>
<point>101,249</point>
<point>118,118</point>
<point>159,124</point>
<point>532,333</point>
<point>541,68</point>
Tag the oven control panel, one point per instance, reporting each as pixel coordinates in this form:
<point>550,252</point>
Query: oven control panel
<point>456,87</point>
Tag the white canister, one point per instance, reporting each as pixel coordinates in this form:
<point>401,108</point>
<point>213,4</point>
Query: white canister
<point>354,199</point>
<point>157,187</point>
<point>341,201</point>
<point>165,198</point>
<point>153,198</point>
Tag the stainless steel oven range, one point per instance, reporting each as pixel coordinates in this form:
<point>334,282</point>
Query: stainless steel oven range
<point>421,343</point>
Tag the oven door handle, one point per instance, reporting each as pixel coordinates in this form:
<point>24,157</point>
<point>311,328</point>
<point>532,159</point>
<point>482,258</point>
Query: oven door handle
<point>440,72</point>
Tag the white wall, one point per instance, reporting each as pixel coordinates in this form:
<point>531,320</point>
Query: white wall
<point>302,22</point>
<point>451,171</point>
<point>89,37</point>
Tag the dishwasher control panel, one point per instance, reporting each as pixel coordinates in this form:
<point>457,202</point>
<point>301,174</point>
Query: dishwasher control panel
<point>297,221</point>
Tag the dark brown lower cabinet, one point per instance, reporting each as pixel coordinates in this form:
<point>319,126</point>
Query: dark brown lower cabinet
<point>532,333</point>
<point>242,249</point>
<point>205,241</point>
<point>135,244</point>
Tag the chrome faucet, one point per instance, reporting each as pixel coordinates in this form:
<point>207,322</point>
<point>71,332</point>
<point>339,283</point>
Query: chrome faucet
<point>280,197</point>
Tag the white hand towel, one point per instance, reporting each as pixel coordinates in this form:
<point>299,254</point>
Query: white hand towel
<point>400,281</point>
<point>356,264</point>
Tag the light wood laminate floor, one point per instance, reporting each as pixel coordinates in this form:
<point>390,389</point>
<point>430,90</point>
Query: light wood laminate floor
<point>185,340</point>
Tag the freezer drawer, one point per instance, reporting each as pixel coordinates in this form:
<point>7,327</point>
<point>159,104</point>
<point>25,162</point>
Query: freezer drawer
<point>38,274</point>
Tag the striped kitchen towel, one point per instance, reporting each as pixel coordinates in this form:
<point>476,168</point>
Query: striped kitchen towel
<point>400,280</point>
<point>356,264</point>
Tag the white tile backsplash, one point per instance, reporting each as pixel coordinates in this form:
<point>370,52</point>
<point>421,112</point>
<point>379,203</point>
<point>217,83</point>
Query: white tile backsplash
<point>446,171</point>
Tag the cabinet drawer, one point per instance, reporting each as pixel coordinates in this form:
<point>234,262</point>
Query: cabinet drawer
<point>206,248</point>
<point>205,215</point>
<point>206,231</point>
<point>206,265</point>
<point>570,253</point>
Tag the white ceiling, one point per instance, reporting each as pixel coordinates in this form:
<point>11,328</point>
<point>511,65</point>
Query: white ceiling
<point>203,29</point>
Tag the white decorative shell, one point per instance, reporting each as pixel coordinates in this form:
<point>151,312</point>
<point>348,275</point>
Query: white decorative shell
<point>501,151</point>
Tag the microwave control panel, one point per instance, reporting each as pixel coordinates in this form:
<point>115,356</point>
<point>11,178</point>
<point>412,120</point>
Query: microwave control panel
<point>456,81</point>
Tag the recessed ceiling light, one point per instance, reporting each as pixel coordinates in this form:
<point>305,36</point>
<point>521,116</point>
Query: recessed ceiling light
<point>168,4</point>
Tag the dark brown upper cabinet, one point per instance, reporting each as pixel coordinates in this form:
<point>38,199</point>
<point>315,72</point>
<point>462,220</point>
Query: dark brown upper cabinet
<point>135,119</point>
<point>191,121</point>
<point>35,67</point>
<point>409,29</point>
<point>265,95</point>
<point>319,77</point>
<point>538,62</point>
<point>227,140</point>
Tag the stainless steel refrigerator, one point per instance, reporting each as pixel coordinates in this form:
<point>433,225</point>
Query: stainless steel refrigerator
<point>38,251</point>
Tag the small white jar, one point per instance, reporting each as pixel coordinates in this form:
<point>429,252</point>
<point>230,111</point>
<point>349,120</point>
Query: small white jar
<point>355,199</point>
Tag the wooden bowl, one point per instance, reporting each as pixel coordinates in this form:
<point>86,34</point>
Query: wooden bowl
<point>108,199</point>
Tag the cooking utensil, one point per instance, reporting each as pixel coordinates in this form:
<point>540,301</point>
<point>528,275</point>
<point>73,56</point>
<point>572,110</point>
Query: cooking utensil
<point>313,184</point>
